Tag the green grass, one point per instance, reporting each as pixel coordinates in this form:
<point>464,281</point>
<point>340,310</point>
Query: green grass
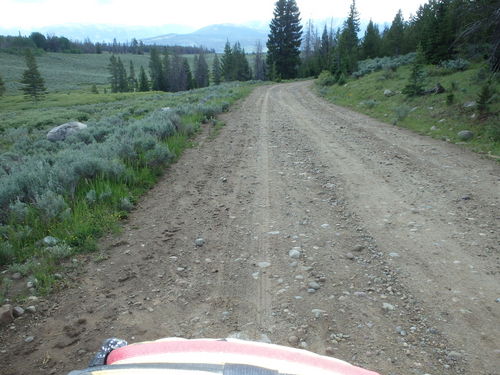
<point>431,115</point>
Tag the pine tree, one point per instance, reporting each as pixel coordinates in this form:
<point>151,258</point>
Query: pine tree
<point>349,43</point>
<point>415,85</point>
<point>113,71</point>
<point>143,80</point>
<point>132,80</point>
<point>395,35</point>
<point>371,44</point>
<point>122,77</point>
<point>2,86</point>
<point>216,70</point>
<point>284,40</point>
<point>201,71</point>
<point>325,51</point>
<point>190,82</point>
<point>34,85</point>
<point>227,63</point>
<point>156,70</point>
<point>241,66</point>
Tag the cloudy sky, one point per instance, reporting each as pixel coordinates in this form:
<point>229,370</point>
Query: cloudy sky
<point>27,14</point>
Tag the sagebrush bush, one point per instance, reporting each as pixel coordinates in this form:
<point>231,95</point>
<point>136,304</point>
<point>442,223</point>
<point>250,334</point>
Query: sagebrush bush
<point>326,79</point>
<point>52,206</point>
<point>456,65</point>
<point>389,63</point>
<point>401,112</point>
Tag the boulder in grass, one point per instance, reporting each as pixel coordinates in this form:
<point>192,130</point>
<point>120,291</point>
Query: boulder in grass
<point>465,135</point>
<point>388,92</point>
<point>61,132</point>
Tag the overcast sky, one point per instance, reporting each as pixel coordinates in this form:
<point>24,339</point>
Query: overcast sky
<point>28,14</point>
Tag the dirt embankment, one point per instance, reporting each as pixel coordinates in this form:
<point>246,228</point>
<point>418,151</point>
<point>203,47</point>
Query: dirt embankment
<point>322,229</point>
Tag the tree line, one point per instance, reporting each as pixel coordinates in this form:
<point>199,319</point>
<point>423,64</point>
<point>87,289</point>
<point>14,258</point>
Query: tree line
<point>52,43</point>
<point>442,29</point>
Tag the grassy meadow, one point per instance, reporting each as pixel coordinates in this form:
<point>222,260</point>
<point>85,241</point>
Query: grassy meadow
<point>440,116</point>
<point>58,198</point>
<point>65,73</point>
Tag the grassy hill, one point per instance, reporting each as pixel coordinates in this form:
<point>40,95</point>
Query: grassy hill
<point>441,116</point>
<point>64,72</point>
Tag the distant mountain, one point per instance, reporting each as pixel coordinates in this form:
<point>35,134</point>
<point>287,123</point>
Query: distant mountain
<point>214,37</point>
<point>101,33</point>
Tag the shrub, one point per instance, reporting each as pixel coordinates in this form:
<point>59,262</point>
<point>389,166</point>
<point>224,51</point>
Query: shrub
<point>369,103</point>
<point>389,63</point>
<point>52,206</point>
<point>7,253</point>
<point>401,112</point>
<point>326,79</point>
<point>457,65</point>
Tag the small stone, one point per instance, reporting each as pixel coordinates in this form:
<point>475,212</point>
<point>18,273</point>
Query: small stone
<point>58,276</point>
<point>388,307</point>
<point>303,345</point>
<point>466,198</point>
<point>29,339</point>
<point>50,241</point>
<point>199,242</point>
<point>325,225</point>
<point>465,135</point>
<point>314,285</point>
<point>454,356</point>
<point>358,248</point>
<point>16,276</point>
<point>31,309</point>
<point>329,350</point>
<point>497,300</point>
<point>434,128</point>
<point>471,104</point>
<point>33,299</point>
<point>393,255</point>
<point>264,264</point>
<point>30,284</point>
<point>294,253</point>
<point>360,294</point>
<point>318,312</point>
<point>17,311</point>
<point>349,256</point>
<point>293,340</point>
<point>6,315</point>
<point>388,92</point>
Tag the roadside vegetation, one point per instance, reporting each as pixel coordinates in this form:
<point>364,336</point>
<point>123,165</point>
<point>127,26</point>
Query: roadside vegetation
<point>469,101</point>
<point>57,198</point>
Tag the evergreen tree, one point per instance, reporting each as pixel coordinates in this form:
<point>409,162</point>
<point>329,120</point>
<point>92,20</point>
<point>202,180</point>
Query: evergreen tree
<point>228,63</point>
<point>132,80</point>
<point>201,71</point>
<point>122,77</point>
<point>216,70</point>
<point>259,70</point>
<point>34,85</point>
<point>371,44</point>
<point>241,66</point>
<point>348,53</point>
<point>2,86</point>
<point>190,82</point>
<point>94,89</point>
<point>143,80</point>
<point>325,51</point>
<point>415,85</point>
<point>284,40</point>
<point>114,74</point>
<point>156,70</point>
<point>395,36</point>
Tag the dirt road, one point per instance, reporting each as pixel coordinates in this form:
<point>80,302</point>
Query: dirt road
<point>394,238</point>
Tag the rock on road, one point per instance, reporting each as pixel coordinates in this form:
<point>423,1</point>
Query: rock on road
<point>301,224</point>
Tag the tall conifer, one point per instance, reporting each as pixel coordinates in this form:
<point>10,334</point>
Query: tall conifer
<point>34,85</point>
<point>284,40</point>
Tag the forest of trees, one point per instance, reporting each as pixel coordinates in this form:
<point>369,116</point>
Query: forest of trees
<point>444,30</point>
<point>51,43</point>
